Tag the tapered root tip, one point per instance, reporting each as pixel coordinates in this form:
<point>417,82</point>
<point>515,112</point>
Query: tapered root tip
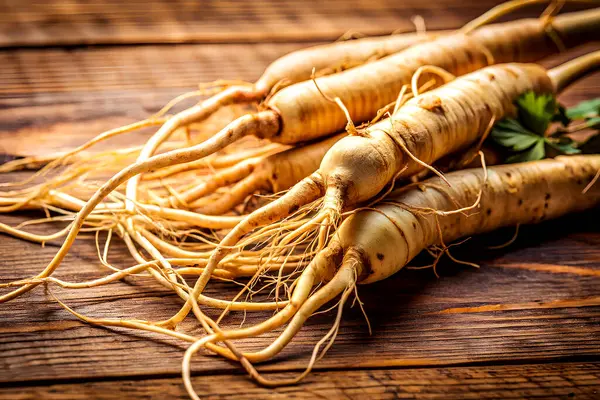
<point>571,71</point>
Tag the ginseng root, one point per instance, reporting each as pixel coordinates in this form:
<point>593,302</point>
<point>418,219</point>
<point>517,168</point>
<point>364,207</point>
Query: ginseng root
<point>273,174</point>
<point>375,243</point>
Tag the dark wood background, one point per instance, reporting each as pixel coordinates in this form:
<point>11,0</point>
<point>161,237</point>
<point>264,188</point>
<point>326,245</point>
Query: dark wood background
<point>526,324</point>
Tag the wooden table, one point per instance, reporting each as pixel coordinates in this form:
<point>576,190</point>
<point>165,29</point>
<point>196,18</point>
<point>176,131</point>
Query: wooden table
<point>526,324</point>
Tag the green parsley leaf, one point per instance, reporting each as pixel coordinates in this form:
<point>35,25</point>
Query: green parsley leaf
<point>536,112</point>
<point>511,134</point>
<point>515,141</point>
<point>585,109</point>
<point>527,138</point>
<point>536,152</point>
<point>593,123</point>
<point>564,145</point>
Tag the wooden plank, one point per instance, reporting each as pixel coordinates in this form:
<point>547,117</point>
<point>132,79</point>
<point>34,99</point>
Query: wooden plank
<point>81,22</point>
<point>541,381</point>
<point>29,72</point>
<point>532,315</point>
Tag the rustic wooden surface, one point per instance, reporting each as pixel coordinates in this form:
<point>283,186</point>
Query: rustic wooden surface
<point>526,324</point>
<point>84,22</point>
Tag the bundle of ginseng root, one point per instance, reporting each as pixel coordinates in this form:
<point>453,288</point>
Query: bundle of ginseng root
<point>298,241</point>
<point>362,91</point>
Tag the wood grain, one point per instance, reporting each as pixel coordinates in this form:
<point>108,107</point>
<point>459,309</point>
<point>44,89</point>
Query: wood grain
<point>81,22</point>
<point>580,381</point>
<point>29,72</point>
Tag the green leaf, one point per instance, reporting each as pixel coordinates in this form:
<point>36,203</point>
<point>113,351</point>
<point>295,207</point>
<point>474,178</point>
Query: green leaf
<point>593,122</point>
<point>509,124</point>
<point>536,152</point>
<point>591,145</point>
<point>514,140</point>
<point>585,109</point>
<point>564,145</point>
<point>525,138</point>
<point>509,133</point>
<point>536,112</point>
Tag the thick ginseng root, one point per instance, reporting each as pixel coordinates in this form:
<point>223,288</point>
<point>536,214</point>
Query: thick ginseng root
<point>292,68</point>
<point>300,112</point>
<point>426,128</point>
<point>304,111</point>
<point>513,194</point>
<point>298,67</point>
<point>273,174</point>
<point>373,244</point>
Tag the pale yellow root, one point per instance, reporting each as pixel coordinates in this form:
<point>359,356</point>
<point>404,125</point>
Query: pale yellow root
<point>342,282</point>
<point>552,187</point>
<point>304,193</point>
<point>217,162</point>
<point>220,179</point>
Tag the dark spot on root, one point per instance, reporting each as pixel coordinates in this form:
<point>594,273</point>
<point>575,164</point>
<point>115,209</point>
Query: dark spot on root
<point>488,211</point>
<point>414,224</point>
<point>547,196</point>
<point>520,202</point>
<point>569,168</point>
<point>380,256</point>
<point>579,181</point>
<point>274,176</point>
<point>293,209</point>
<point>508,175</point>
